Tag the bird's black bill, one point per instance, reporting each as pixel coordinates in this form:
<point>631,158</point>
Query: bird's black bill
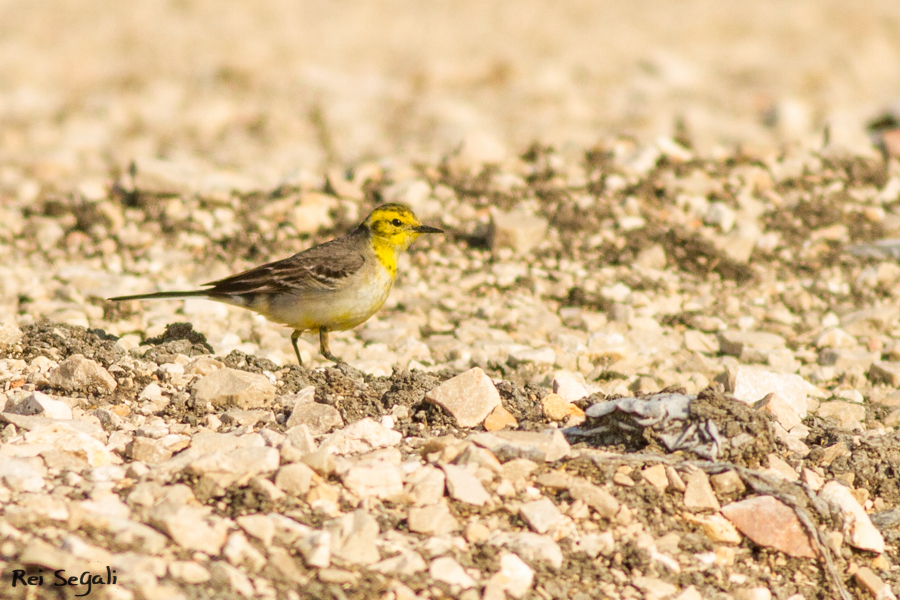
<point>427,229</point>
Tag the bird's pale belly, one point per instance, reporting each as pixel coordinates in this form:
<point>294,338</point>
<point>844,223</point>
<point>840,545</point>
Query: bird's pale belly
<point>335,311</point>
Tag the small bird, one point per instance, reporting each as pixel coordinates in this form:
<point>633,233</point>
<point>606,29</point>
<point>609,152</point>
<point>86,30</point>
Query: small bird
<point>334,286</point>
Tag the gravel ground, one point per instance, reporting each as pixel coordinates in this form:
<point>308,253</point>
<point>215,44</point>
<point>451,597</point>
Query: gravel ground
<point>653,356</point>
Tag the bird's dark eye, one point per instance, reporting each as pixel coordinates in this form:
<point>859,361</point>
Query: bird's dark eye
<point>396,222</point>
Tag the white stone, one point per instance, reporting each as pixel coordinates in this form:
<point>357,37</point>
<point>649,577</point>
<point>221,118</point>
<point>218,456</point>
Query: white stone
<point>65,438</point>
<point>407,563</point>
<point>536,446</point>
<point>82,374</point>
<point>654,586</point>
<point>534,548</point>
<point>295,479</point>
<point>376,480</point>
<point>426,485</point>
<point>231,387</point>
<point>515,576</point>
<point>259,526</point>
<point>353,538</point>
<point>464,486</point>
<point>450,572</point>
<point>23,474</point>
<point>595,544</point>
<point>537,356</point>
<point>191,527</point>
<point>363,436</point>
<point>188,572</point>
<point>316,548</point>
<point>571,386</point>
<point>541,515</point>
<point>9,335</point>
<point>241,553</point>
<point>785,413</point>
<point>751,383</point>
<point>435,519</point>
<point>37,403</point>
<point>469,397</point>
<point>858,529</point>
<point>318,418</point>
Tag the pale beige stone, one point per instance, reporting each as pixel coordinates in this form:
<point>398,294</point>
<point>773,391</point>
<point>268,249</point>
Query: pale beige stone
<point>656,476</point>
<point>468,398</point>
<point>698,493</point>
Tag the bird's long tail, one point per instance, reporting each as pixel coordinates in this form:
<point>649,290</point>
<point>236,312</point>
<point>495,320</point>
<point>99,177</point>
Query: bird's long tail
<point>162,295</point>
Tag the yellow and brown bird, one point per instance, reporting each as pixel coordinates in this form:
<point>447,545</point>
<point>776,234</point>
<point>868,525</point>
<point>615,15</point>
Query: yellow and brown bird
<point>334,286</point>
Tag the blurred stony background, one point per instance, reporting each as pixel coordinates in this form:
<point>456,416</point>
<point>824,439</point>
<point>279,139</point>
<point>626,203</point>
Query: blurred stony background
<point>286,87</point>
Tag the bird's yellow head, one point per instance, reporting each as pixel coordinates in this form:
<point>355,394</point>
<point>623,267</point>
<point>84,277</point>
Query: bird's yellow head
<point>396,225</point>
<point>393,228</point>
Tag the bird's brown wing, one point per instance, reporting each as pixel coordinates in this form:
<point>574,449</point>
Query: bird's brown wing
<point>326,267</point>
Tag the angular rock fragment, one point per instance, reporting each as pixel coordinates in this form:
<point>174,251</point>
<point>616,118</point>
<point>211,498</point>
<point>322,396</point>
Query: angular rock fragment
<point>78,373</point>
<point>534,548</point>
<point>699,493</point>
<point>241,553</point>
<point>9,335</point>
<point>541,515</point>
<point>785,414</point>
<point>378,479</point>
<point>23,474</point>
<point>435,519</point>
<point>62,442</point>
<point>556,408</point>
<point>37,403</point>
<point>464,486</point>
<point>780,469</point>
<point>259,526</point>
<point>499,419</point>
<point>846,415</point>
<point>727,483</point>
<point>231,387</point>
<point>426,485</point>
<point>857,527</point>
<point>750,384</point>
<point>353,538</point>
<point>468,398</point>
<point>872,583</point>
<point>749,346</point>
<point>450,572</point>
<point>294,479</point>
<point>191,527</point>
<point>407,563</point>
<point>716,527</point>
<point>519,230</point>
<point>507,445</point>
<point>870,321</point>
<point>515,578</point>
<point>318,418</point>
<point>595,544</point>
<point>655,587</point>
<point>189,572</point>
<point>363,436</point>
<point>656,476</point>
<point>605,504</point>
<point>569,386</point>
<point>846,359</point>
<point>885,372</point>
<point>768,522</point>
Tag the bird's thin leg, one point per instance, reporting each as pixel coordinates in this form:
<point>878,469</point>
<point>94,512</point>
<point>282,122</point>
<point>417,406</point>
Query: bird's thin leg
<point>323,346</point>
<point>294,337</point>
